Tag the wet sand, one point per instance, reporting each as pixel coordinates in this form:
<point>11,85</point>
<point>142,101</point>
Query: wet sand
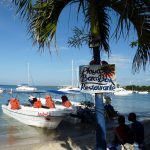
<point>68,136</point>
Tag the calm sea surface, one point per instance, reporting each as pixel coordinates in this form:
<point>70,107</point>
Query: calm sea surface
<point>13,132</point>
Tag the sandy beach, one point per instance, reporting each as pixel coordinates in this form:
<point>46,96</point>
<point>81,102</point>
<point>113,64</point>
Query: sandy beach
<point>73,136</point>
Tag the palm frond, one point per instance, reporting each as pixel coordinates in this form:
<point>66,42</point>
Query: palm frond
<point>24,7</point>
<point>44,20</point>
<point>104,29</point>
<point>80,37</point>
<point>141,58</point>
<point>136,12</point>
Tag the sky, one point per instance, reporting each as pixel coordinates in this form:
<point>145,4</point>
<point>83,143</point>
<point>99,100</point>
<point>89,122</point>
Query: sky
<point>55,68</point>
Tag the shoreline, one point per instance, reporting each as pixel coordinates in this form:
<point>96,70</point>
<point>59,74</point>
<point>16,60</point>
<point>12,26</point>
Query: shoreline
<point>72,137</point>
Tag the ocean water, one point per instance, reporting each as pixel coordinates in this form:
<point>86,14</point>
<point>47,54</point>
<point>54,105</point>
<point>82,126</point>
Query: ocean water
<point>137,103</point>
<point>14,133</point>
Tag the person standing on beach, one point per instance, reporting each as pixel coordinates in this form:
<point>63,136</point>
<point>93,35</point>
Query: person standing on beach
<point>137,129</point>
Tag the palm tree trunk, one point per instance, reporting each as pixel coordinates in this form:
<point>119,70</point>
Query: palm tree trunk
<point>96,55</point>
<point>99,107</point>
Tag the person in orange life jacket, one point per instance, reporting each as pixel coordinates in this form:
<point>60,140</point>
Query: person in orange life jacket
<point>66,102</point>
<point>49,102</point>
<point>14,103</point>
<point>37,104</point>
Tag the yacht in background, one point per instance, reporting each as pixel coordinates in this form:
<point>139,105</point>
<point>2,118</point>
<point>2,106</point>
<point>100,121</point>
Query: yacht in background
<point>25,87</point>
<point>143,92</point>
<point>121,92</point>
<point>69,89</point>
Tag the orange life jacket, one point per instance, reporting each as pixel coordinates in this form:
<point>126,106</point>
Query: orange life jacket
<point>14,103</point>
<point>50,103</point>
<point>67,104</point>
<point>37,104</point>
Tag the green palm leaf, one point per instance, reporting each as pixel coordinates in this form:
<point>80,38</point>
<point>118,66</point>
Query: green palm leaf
<point>43,17</point>
<point>43,23</point>
<point>136,12</point>
<point>24,7</point>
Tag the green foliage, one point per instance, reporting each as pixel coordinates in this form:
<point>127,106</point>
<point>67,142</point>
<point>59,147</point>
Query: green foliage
<point>137,88</point>
<point>43,15</point>
<point>79,38</point>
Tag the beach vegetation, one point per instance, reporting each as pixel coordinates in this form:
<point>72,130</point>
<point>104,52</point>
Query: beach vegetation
<point>137,88</point>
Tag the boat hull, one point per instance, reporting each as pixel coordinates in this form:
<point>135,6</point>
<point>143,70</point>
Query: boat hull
<point>121,93</point>
<point>144,92</point>
<point>38,117</point>
<point>26,88</point>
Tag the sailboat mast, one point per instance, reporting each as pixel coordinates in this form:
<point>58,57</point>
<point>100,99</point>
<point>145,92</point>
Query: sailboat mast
<point>77,77</point>
<point>72,73</point>
<point>28,73</point>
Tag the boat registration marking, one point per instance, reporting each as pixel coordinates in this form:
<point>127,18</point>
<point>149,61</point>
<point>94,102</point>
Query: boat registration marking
<point>43,114</point>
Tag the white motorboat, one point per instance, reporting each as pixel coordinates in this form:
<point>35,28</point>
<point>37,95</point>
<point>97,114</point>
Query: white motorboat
<point>143,92</point>
<point>69,89</point>
<point>39,117</point>
<point>122,92</point>
<point>58,104</point>
<point>25,87</point>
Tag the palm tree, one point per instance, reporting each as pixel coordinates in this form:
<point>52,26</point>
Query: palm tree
<point>43,15</point>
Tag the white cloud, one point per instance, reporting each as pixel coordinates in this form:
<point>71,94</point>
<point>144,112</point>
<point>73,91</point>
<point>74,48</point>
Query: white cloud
<point>120,61</point>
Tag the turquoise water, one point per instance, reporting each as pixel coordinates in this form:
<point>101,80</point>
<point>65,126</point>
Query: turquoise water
<point>138,103</point>
<point>13,132</point>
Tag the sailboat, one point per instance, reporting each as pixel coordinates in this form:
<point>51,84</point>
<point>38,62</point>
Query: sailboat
<point>71,87</point>
<point>26,87</point>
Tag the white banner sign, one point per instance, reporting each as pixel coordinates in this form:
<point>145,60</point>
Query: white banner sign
<point>97,79</point>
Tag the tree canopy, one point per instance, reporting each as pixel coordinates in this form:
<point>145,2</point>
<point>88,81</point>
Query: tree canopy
<point>43,16</point>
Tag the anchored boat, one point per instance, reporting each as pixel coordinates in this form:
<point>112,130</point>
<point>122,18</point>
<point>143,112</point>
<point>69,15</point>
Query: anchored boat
<point>39,117</point>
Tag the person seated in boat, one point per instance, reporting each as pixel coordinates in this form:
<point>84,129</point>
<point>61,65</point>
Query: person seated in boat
<point>32,100</point>
<point>49,102</point>
<point>65,101</point>
<point>14,104</point>
<point>37,104</point>
<point>8,102</point>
